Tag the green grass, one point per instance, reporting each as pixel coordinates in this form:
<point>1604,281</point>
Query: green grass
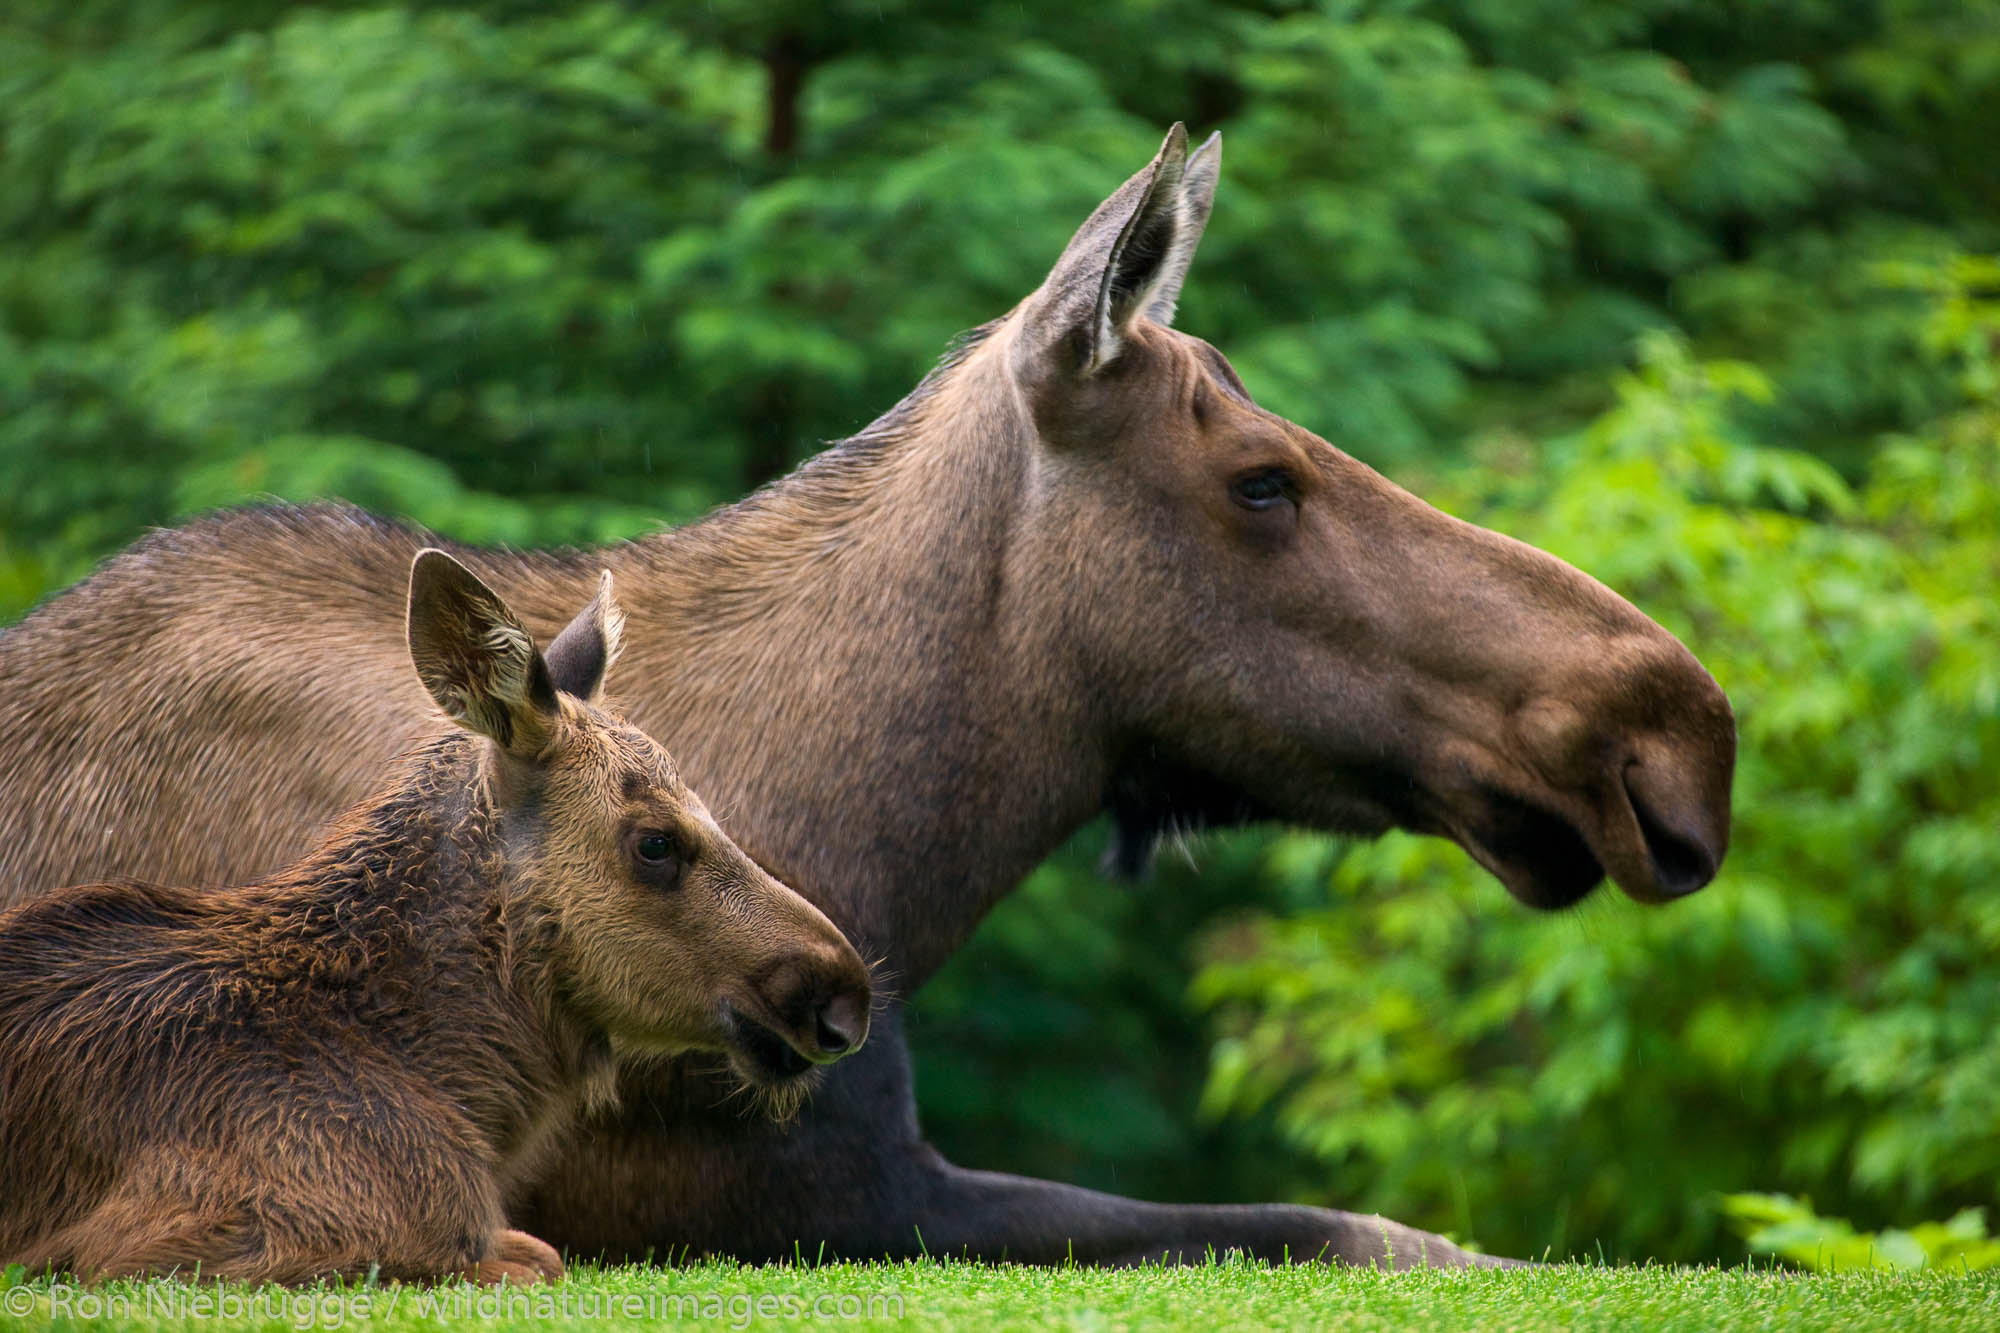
<point>930,1295</point>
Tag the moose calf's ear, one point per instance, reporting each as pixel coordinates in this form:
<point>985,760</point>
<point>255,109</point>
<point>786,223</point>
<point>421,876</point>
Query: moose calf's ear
<point>587,647</point>
<point>476,658</point>
<point>1128,259</point>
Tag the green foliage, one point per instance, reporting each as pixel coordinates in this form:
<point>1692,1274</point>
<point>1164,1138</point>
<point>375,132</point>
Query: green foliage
<point>1781,1225</point>
<point>379,253</point>
<point>1827,1017</point>
<point>600,253</point>
<point>533,274</point>
<point>1060,1040</point>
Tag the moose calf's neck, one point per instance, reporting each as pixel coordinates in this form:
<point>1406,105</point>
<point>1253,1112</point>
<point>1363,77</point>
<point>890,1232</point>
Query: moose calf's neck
<point>413,921</point>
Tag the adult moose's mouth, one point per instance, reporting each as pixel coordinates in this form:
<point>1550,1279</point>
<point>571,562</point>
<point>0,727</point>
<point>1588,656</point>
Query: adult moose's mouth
<point>1542,859</point>
<point>1641,828</point>
<point>1654,848</point>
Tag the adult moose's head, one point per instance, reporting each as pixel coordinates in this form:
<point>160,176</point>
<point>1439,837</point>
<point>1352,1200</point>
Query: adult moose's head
<point>1282,633</point>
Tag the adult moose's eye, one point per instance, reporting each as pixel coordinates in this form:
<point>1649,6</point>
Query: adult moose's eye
<point>1261,490</point>
<point>655,847</point>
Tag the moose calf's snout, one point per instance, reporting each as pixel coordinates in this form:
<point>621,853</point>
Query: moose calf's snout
<point>843,1022</point>
<point>823,1003</point>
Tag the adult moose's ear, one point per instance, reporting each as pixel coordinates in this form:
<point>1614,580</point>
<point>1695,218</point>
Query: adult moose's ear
<point>1128,259</point>
<point>476,658</point>
<point>585,650</point>
<point>1198,179</point>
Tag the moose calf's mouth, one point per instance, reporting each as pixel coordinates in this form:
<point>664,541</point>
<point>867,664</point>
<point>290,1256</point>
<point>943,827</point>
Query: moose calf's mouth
<point>759,1055</point>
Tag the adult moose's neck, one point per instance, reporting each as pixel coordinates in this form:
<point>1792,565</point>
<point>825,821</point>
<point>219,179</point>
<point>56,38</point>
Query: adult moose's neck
<point>863,636</point>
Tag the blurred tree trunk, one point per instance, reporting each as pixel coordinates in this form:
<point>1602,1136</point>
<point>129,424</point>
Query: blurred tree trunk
<point>786,66</point>
<point>770,427</point>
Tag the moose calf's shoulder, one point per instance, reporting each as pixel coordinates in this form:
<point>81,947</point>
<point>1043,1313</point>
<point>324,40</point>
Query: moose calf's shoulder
<point>350,1064</point>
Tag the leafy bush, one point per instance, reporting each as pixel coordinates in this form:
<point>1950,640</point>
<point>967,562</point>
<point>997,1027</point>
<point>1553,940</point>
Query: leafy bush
<point>1781,1225</point>
<point>576,257</point>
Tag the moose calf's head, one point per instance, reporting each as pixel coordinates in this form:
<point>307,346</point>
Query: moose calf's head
<point>661,931</point>
<point>1289,635</point>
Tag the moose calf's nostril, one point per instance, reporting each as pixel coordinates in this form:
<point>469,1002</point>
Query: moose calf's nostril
<point>842,1024</point>
<point>832,1041</point>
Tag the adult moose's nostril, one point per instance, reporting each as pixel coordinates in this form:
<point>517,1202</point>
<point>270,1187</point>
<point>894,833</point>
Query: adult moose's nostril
<point>1683,860</point>
<point>842,1024</point>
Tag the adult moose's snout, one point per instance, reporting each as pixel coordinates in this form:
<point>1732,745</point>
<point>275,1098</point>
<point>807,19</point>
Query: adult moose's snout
<point>1676,785</point>
<point>1563,736</point>
<point>1682,848</point>
<point>1649,752</point>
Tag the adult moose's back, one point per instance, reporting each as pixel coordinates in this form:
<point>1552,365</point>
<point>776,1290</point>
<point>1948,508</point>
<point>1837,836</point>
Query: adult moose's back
<point>1076,568</point>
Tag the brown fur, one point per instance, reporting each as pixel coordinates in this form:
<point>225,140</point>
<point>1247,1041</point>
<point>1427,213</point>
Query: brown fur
<point>904,675</point>
<point>357,1061</point>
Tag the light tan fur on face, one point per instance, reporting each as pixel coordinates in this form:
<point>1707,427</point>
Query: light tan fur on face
<point>591,788</point>
<point>727,922</point>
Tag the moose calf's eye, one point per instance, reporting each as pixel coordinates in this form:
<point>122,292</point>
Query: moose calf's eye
<point>657,860</point>
<point>1261,490</point>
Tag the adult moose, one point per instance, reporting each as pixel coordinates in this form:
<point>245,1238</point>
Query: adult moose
<point>1077,568</point>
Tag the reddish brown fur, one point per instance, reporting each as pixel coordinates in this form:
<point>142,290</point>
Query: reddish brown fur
<point>357,1061</point>
<point>907,673</point>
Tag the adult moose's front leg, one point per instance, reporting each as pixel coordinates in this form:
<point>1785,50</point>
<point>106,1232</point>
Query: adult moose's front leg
<point>675,1176</point>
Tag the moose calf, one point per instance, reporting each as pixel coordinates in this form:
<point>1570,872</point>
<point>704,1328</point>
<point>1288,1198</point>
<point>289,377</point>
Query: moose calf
<point>350,1064</point>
